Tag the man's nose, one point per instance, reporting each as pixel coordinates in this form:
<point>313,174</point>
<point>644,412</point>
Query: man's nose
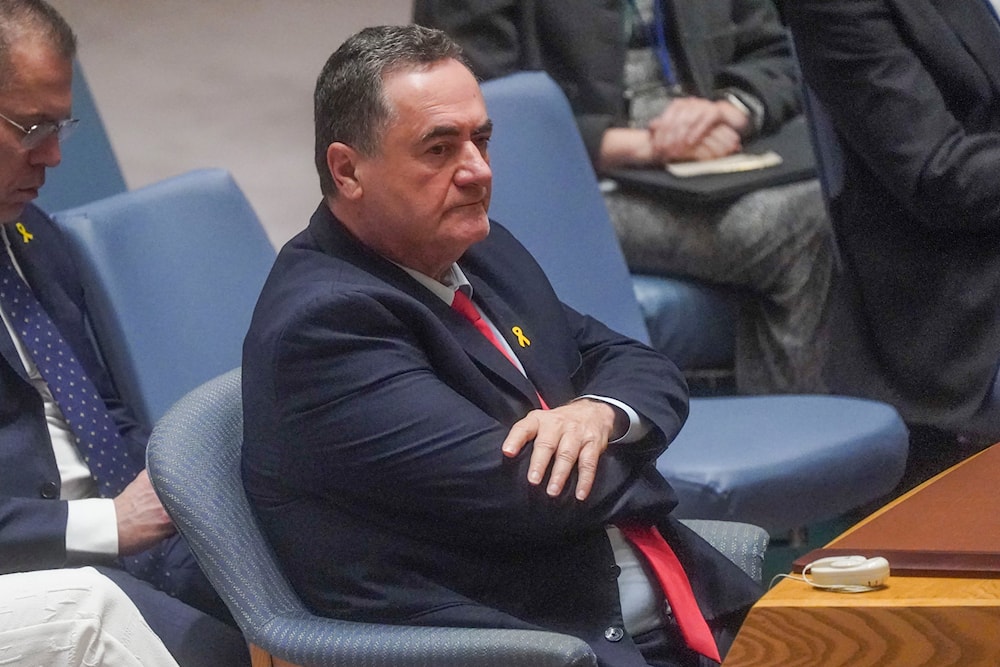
<point>475,166</point>
<point>48,153</point>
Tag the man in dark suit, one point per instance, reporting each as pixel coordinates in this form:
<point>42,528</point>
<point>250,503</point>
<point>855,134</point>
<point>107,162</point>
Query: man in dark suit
<point>653,82</point>
<point>404,468</point>
<point>913,90</point>
<point>54,509</point>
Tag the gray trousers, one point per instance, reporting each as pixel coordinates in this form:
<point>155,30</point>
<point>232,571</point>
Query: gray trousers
<point>776,244</point>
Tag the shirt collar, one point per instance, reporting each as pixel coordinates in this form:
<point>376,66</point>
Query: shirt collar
<point>454,279</point>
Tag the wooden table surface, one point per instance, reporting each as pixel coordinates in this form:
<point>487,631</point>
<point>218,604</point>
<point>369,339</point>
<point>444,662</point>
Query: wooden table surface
<point>913,621</point>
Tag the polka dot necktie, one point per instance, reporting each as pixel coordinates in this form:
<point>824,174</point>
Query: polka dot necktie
<point>97,435</point>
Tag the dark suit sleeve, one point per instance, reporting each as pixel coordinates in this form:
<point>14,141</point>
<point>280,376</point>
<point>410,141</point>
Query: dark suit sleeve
<point>762,63</point>
<point>883,91</point>
<point>490,32</point>
<point>32,534</point>
<point>370,394</point>
<point>619,367</point>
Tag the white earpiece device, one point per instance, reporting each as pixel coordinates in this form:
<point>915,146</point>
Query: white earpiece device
<point>847,571</point>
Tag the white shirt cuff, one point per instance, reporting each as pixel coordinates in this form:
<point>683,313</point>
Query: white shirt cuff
<point>637,426</point>
<point>92,528</point>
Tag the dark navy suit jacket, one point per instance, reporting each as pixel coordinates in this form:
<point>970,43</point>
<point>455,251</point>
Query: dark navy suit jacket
<point>32,519</point>
<point>374,416</point>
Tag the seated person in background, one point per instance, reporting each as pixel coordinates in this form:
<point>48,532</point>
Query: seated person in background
<point>73,618</point>
<point>73,489</point>
<point>399,448</point>
<point>644,96</point>
<point>913,90</point>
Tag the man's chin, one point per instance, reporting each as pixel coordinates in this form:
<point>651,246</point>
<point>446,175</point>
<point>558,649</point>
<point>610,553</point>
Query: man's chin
<point>11,211</point>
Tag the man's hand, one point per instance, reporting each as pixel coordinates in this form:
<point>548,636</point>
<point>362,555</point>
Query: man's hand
<point>573,435</point>
<point>142,521</point>
<point>693,128</point>
<point>721,141</point>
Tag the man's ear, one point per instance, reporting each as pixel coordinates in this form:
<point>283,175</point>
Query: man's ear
<point>342,161</point>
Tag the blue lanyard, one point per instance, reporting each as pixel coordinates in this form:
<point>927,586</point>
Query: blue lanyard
<point>657,35</point>
<point>660,27</point>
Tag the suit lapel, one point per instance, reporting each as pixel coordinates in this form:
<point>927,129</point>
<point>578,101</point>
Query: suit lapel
<point>518,335</point>
<point>336,240</point>
<point>7,348</point>
<point>977,28</point>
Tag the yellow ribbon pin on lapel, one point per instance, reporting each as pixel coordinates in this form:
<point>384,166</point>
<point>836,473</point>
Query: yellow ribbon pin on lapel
<point>522,340</point>
<point>23,231</point>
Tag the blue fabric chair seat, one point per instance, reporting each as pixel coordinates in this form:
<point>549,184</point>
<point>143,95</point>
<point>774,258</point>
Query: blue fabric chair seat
<point>781,462</point>
<point>777,461</point>
<point>690,322</point>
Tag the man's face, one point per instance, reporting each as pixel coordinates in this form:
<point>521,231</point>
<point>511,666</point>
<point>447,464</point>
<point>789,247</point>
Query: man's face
<point>39,89</point>
<point>426,192</point>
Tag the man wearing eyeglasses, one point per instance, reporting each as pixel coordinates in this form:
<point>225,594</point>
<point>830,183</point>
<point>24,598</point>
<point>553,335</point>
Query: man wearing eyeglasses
<point>60,505</point>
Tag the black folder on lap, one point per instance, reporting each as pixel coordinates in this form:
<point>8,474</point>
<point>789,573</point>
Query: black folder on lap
<point>791,142</point>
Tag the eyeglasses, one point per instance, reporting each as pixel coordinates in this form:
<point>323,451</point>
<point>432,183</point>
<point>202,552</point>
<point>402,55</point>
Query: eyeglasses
<point>39,132</point>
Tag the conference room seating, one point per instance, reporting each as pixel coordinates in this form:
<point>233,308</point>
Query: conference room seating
<point>694,324</point>
<point>194,462</point>
<point>89,168</point>
<point>779,462</point>
<point>172,272</point>
<point>164,334</point>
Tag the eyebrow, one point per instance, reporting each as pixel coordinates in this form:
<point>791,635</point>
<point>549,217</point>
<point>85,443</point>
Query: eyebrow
<point>453,131</point>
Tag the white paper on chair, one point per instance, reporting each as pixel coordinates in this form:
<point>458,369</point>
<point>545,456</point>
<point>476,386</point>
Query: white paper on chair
<point>730,164</point>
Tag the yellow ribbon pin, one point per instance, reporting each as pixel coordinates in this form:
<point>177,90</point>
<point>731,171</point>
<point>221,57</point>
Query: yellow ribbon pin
<point>522,340</point>
<point>23,231</point>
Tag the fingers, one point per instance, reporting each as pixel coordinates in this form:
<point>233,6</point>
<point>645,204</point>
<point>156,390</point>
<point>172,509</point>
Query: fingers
<point>683,124</point>
<point>720,142</point>
<point>142,520</point>
<point>572,437</point>
<point>692,128</point>
<point>565,448</point>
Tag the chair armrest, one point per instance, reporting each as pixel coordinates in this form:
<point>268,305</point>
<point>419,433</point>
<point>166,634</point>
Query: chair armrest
<point>314,641</point>
<point>742,543</point>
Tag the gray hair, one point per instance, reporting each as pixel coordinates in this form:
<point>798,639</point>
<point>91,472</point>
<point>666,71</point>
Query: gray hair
<point>21,19</point>
<point>349,104</point>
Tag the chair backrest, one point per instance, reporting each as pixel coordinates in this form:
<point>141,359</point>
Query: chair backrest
<point>545,191</point>
<point>194,462</point>
<point>193,459</point>
<point>89,168</point>
<point>826,145</point>
<point>172,273</point>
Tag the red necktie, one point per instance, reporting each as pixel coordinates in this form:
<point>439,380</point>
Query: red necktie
<point>647,539</point>
<point>676,587</point>
<point>463,304</point>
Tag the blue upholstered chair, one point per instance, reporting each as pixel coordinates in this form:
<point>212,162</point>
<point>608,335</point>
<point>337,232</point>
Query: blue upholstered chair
<point>193,460</point>
<point>89,168</point>
<point>780,462</point>
<point>172,273</point>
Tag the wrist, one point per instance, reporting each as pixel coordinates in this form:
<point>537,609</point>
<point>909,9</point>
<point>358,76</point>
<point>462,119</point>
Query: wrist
<point>626,147</point>
<point>748,105</point>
